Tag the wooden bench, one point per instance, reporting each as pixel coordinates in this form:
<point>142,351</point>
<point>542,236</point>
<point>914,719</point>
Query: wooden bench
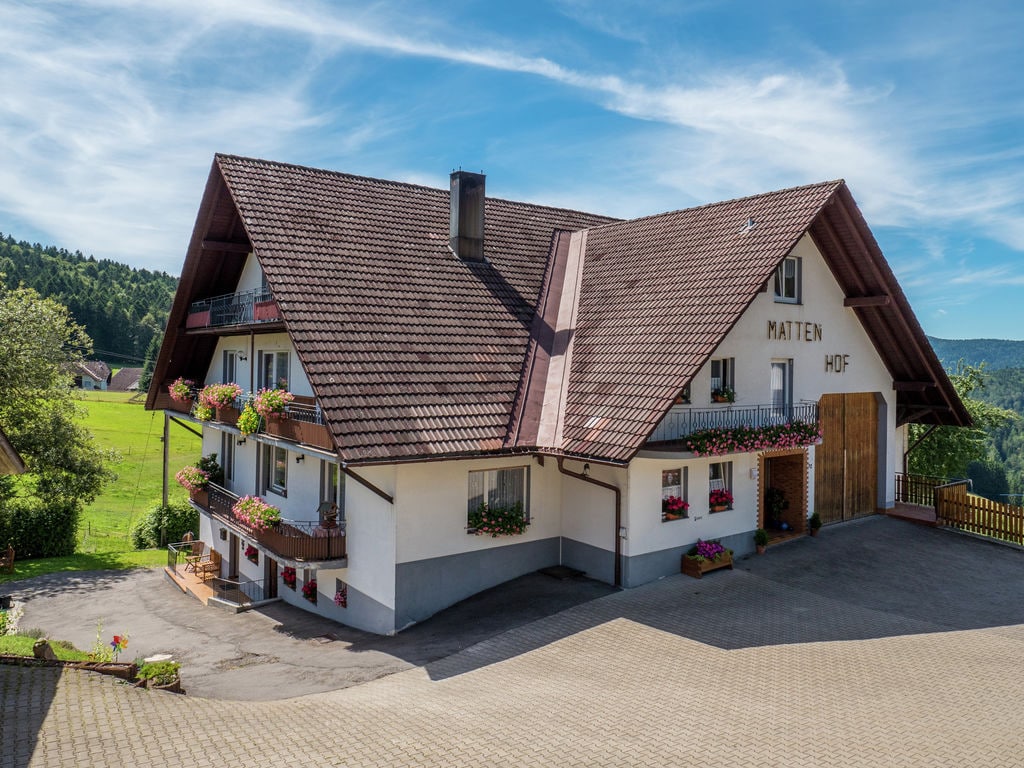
<point>7,560</point>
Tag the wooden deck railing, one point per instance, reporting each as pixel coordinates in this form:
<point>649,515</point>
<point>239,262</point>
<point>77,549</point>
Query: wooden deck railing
<point>289,540</point>
<point>956,507</point>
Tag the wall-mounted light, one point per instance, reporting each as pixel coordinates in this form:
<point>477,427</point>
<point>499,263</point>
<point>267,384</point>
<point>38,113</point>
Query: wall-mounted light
<point>241,442</point>
<point>300,458</point>
<point>223,534</point>
<point>586,470</point>
<point>241,355</point>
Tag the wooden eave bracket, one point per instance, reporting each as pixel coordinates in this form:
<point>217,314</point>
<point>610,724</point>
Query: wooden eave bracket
<point>882,300</point>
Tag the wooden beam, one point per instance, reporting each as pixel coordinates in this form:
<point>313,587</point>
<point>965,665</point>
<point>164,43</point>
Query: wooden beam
<point>882,300</point>
<point>913,386</point>
<point>221,245</point>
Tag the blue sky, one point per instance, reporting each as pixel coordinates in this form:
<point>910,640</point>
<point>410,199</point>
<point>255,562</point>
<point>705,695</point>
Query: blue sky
<point>110,113</point>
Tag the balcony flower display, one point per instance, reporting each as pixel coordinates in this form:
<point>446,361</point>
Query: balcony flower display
<point>288,576</point>
<point>202,412</point>
<point>181,390</point>
<point>309,590</point>
<point>720,499</point>
<point>270,401</point>
<point>219,395</point>
<point>497,521</point>
<point>210,466</point>
<point>717,442</point>
<point>248,420</point>
<point>256,513</point>
<point>673,508</point>
<point>192,478</point>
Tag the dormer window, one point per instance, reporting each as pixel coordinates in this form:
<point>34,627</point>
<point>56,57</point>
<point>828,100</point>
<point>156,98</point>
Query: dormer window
<point>787,281</point>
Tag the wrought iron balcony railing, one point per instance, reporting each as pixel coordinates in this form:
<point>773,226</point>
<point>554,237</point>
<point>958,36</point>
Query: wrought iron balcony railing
<point>680,424</point>
<point>242,308</point>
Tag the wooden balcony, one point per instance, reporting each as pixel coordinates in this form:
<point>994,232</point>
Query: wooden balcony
<point>290,541</point>
<point>253,307</point>
<point>679,424</point>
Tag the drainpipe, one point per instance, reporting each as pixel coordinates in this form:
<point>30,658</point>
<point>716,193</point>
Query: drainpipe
<point>618,513</point>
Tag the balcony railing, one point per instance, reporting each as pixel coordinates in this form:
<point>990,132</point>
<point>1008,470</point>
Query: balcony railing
<point>679,424</point>
<point>289,540</point>
<point>242,308</point>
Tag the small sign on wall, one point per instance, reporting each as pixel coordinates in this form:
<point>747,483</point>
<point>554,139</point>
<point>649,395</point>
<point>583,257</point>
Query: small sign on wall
<point>836,363</point>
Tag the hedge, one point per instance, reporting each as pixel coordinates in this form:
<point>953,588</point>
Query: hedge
<point>38,528</point>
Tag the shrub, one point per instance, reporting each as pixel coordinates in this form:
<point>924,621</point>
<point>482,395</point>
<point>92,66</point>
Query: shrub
<point>39,527</point>
<point>161,525</point>
<point>159,672</point>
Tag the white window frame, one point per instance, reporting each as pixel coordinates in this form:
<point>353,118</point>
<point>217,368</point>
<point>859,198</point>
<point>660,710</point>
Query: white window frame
<point>230,367</point>
<point>723,373</point>
<point>720,476</point>
<point>680,488</point>
<point>781,389</point>
<point>788,280</point>
<point>486,481</point>
<point>332,486</point>
<point>278,362</point>
<point>270,466</point>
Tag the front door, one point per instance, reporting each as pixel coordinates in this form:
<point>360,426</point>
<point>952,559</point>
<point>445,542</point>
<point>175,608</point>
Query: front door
<point>846,462</point>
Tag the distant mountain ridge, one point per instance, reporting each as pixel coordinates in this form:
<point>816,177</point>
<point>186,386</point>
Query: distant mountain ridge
<point>995,353</point>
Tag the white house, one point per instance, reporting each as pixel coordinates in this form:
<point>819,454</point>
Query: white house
<point>449,350</point>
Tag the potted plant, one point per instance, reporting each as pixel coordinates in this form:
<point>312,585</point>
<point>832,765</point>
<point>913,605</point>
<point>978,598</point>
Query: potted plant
<point>775,504</point>
<point>252,554</point>
<point>272,402</point>
<point>202,412</point>
<point>814,523</point>
<point>719,500</point>
<point>706,556</point>
<point>194,480</point>
<point>723,395</point>
<point>181,390</point>
<point>219,396</point>
<point>309,590</point>
<point>256,513</point>
<point>288,576</point>
<point>760,540</point>
<point>673,508</point>
<point>214,471</point>
<point>248,420</point>
<point>161,675</point>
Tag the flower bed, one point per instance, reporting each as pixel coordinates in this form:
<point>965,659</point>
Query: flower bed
<point>717,442</point>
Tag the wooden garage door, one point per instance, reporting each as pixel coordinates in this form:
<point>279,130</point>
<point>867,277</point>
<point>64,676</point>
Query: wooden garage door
<point>846,463</point>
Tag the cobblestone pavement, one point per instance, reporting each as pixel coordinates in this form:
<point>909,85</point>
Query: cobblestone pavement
<point>813,655</point>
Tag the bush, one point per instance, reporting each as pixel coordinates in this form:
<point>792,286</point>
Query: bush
<point>159,672</point>
<point>39,528</point>
<point>162,525</point>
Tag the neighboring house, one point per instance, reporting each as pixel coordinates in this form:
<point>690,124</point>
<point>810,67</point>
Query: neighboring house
<point>126,380</point>
<point>10,461</point>
<point>448,349</point>
<point>92,374</point>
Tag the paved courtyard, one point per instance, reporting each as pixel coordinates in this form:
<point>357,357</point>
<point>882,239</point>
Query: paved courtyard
<point>879,643</point>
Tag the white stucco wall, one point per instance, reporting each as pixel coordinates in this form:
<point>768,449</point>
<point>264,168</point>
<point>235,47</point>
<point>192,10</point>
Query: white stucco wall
<point>588,511</point>
<point>252,275</point>
<point>250,347</point>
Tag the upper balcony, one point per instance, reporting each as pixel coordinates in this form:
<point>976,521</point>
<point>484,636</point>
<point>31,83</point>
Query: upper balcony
<point>252,307</point>
<point>679,424</point>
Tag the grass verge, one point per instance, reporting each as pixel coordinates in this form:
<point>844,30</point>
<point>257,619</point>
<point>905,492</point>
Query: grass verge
<point>18,645</point>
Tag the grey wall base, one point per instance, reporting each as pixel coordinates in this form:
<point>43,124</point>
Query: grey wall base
<point>642,569</point>
<point>597,563</point>
<point>424,587</point>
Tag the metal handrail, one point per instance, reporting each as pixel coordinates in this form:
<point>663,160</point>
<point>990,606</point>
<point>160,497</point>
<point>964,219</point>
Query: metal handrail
<point>678,424</point>
<point>251,588</point>
<point>233,308</point>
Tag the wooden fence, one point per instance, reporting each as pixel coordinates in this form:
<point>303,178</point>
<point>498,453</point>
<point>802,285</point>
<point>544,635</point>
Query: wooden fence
<point>957,508</point>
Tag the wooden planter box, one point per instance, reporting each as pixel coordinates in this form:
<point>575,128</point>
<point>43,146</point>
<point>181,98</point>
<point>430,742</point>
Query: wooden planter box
<point>697,568</point>
<point>201,497</point>
<point>228,415</point>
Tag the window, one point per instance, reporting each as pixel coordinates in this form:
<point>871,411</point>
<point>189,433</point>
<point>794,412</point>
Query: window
<point>674,505</point>
<point>723,373</point>
<point>787,281</point>
<point>683,398</point>
<point>782,389</point>
<point>332,486</point>
<point>273,370</point>
<point>720,485</point>
<point>227,453</point>
<point>500,488</point>
<point>230,368</point>
<point>275,469</point>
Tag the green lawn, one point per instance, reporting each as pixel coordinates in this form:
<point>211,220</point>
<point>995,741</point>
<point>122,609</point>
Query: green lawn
<point>135,434</point>
<point>16,645</point>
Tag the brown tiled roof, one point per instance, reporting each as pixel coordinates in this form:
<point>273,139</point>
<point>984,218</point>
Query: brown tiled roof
<point>658,296</point>
<point>95,369</point>
<point>414,353</point>
<point>411,351</point>
<point>125,379</point>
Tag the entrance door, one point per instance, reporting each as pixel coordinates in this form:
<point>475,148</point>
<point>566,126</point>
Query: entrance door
<point>269,578</point>
<point>846,462</point>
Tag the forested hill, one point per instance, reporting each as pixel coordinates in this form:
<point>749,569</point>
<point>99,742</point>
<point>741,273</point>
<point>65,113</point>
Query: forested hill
<point>995,353</point>
<point>121,307</point>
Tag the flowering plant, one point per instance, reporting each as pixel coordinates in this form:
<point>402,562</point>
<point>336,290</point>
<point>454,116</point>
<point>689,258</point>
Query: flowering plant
<point>248,420</point>
<point>181,389</point>
<point>202,412</point>
<point>673,505</point>
<point>252,554</point>
<point>219,395</point>
<point>256,513</point>
<point>497,521</point>
<point>716,442</point>
<point>723,394</point>
<point>288,576</point>
<point>192,479</point>
<point>719,497</point>
<point>341,597</point>
<point>707,550</point>
<point>309,590</point>
<point>270,401</point>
